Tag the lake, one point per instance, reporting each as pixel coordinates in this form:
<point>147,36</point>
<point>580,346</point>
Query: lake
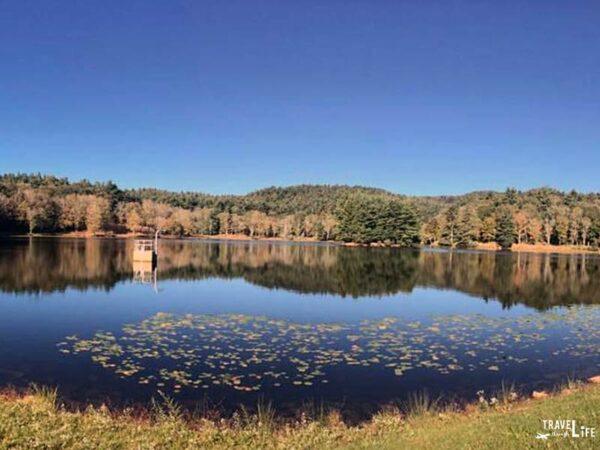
<point>228,323</point>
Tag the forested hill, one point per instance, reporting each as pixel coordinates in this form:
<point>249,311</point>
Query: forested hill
<point>42,203</point>
<point>302,199</point>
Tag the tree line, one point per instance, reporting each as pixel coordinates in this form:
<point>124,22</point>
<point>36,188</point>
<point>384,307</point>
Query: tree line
<point>42,203</point>
<point>539,216</point>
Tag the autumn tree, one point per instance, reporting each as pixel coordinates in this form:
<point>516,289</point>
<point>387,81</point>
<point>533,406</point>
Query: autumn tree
<point>97,214</point>
<point>561,224</point>
<point>586,225</point>
<point>432,230</point>
<point>39,210</point>
<point>156,215</point>
<point>227,221</point>
<point>329,223</point>
<point>488,229</point>
<point>200,218</point>
<point>548,228</point>
<point>257,223</point>
<point>312,225</point>
<point>133,220</point>
<point>534,228</point>
<point>468,227</point>
<point>286,226</point>
<point>179,222</point>
<point>73,211</point>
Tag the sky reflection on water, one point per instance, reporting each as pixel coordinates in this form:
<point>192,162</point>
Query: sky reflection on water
<point>52,289</point>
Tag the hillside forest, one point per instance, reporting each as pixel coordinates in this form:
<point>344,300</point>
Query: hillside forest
<point>47,204</point>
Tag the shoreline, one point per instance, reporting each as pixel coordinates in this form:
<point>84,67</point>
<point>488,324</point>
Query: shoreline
<point>503,420</point>
<point>215,237</point>
<point>539,248</point>
<point>486,247</point>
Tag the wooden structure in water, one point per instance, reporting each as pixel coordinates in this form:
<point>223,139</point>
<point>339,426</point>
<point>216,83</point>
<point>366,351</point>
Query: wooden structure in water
<point>146,250</point>
<point>145,257</point>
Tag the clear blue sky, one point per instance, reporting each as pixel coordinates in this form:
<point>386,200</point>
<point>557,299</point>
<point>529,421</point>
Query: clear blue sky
<point>418,97</point>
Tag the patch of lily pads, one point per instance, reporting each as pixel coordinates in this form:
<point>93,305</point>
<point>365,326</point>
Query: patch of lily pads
<point>248,353</point>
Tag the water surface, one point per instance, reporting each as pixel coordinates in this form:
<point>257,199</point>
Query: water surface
<point>229,322</point>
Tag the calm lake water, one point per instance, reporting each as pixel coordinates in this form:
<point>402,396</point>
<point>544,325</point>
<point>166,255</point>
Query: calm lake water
<point>229,322</point>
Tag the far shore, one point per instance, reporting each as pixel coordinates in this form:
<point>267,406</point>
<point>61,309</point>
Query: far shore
<point>488,246</point>
<point>109,235</point>
<point>538,248</point>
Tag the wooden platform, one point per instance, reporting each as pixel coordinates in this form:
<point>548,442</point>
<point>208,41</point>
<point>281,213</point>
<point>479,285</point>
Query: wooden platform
<point>144,251</point>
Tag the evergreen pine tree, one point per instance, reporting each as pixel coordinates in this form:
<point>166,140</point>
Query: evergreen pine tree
<point>505,229</point>
<point>214,223</point>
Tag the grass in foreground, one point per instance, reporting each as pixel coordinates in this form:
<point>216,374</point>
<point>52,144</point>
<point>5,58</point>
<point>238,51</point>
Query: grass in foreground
<point>35,421</point>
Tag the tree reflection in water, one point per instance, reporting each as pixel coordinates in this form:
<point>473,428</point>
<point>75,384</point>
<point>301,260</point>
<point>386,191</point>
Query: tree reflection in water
<point>35,266</point>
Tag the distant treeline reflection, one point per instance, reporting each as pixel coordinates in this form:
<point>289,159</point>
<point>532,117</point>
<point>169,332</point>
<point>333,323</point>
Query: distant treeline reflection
<point>541,281</point>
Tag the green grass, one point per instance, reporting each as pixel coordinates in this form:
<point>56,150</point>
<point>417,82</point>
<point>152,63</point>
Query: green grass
<point>35,421</point>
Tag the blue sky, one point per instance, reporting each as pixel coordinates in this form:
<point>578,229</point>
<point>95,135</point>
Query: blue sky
<point>418,97</point>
